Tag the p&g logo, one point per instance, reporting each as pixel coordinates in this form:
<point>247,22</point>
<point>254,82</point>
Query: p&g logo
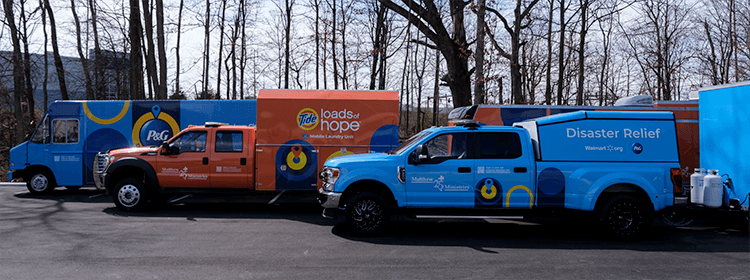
<point>637,148</point>
<point>154,132</point>
<point>307,119</point>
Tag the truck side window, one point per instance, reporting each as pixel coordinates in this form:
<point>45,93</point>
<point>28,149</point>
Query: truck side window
<point>504,145</point>
<point>228,141</point>
<point>447,145</point>
<point>65,131</point>
<point>192,141</point>
<point>41,136</point>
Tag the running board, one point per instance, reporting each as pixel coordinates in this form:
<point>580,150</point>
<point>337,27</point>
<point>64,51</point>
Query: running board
<point>179,198</point>
<point>276,197</point>
<point>468,217</point>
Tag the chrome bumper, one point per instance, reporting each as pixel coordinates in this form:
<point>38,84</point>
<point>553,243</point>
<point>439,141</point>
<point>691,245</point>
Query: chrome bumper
<point>329,199</point>
<point>100,169</point>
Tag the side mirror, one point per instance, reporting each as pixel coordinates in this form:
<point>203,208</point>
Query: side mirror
<point>419,155</point>
<point>165,148</point>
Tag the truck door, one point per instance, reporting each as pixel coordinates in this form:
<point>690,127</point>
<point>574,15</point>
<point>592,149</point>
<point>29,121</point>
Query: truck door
<point>445,178</point>
<point>188,166</point>
<point>66,151</point>
<point>229,160</point>
<point>504,176</point>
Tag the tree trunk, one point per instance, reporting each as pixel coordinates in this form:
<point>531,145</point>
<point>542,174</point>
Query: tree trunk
<point>581,51</point>
<point>177,88</point>
<point>46,61</point>
<point>561,56</point>
<point>548,83</point>
<point>98,69</point>
<point>221,47</point>
<point>84,61</point>
<point>17,69</point>
<point>333,48</point>
<point>287,35</point>
<point>56,52</point>
<point>206,53</point>
<point>479,55</point>
<point>161,90</point>
<point>136,62</point>
<point>151,51</point>
<point>27,66</point>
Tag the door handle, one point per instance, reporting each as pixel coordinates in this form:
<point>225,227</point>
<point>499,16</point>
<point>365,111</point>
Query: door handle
<point>464,170</point>
<point>519,169</point>
<point>243,161</point>
<point>205,161</point>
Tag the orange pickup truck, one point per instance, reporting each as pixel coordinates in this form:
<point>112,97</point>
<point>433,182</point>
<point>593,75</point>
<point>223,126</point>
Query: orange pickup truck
<point>297,132</point>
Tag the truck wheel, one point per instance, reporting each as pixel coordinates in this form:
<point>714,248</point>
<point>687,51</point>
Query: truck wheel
<point>130,195</point>
<point>367,214</point>
<point>41,182</point>
<point>624,217</point>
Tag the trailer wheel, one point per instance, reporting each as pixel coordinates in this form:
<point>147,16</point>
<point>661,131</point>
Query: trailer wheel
<point>130,195</point>
<point>624,217</point>
<point>41,182</point>
<point>367,214</point>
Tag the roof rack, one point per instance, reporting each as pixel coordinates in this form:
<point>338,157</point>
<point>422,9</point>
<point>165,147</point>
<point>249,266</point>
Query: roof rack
<point>214,124</point>
<point>472,125</point>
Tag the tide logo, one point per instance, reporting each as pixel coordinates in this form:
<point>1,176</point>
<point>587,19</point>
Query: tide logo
<point>307,119</point>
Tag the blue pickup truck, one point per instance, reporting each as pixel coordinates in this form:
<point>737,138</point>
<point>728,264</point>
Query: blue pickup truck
<point>621,166</point>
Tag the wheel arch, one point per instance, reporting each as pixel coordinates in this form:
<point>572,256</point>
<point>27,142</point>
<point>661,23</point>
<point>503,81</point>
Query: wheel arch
<point>131,167</point>
<point>627,189</point>
<point>369,185</point>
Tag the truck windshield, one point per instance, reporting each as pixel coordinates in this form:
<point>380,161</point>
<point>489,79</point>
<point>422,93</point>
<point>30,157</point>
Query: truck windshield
<point>41,134</point>
<point>410,142</point>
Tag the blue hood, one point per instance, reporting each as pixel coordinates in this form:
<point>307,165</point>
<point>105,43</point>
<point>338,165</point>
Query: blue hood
<point>362,158</point>
<point>18,156</point>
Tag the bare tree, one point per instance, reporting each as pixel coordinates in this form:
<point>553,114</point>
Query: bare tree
<point>161,89</point>
<point>17,68</point>
<point>206,47</point>
<point>479,54</point>
<point>177,88</point>
<point>98,69</point>
<point>84,61</point>
<point>453,46</point>
<point>520,13</point>
<point>136,63</point>
<point>46,62</point>
<point>59,68</point>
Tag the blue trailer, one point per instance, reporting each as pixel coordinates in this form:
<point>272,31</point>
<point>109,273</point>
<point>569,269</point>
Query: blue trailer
<point>725,135</point>
<point>61,150</point>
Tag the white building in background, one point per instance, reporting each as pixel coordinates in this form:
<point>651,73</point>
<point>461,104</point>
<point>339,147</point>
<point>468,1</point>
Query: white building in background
<point>114,85</point>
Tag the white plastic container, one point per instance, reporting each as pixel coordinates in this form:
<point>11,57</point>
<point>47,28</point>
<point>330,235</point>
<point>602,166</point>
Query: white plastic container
<point>696,186</point>
<point>713,192</point>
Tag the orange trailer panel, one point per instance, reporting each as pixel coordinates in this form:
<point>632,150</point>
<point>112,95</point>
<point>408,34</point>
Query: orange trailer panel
<point>299,129</point>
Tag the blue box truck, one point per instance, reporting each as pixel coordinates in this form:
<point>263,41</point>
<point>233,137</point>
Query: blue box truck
<point>61,150</point>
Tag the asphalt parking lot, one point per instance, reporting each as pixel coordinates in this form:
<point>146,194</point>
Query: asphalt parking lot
<point>78,235</point>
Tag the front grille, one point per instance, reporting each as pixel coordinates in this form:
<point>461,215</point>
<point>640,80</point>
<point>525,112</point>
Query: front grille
<point>100,163</point>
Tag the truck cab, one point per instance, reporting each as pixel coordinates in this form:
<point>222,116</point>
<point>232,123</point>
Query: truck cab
<point>622,166</point>
<point>212,158</point>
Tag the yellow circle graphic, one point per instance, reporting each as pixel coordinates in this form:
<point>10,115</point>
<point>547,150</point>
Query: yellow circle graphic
<point>521,187</point>
<point>307,119</point>
<point>491,194</point>
<point>147,117</point>
<point>107,121</point>
<point>339,153</point>
<point>298,165</point>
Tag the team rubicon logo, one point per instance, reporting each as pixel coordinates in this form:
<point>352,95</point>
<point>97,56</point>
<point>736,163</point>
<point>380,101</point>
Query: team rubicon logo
<point>307,119</point>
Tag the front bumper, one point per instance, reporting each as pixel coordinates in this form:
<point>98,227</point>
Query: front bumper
<point>329,199</point>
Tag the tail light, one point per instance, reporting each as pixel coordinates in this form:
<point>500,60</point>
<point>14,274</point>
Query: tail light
<point>676,175</point>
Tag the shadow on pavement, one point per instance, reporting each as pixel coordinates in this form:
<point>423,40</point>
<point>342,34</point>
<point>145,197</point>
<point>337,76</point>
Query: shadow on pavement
<point>541,233</point>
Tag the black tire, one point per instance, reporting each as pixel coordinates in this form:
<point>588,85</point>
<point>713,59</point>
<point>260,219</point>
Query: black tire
<point>41,182</point>
<point>367,214</point>
<point>624,217</point>
<point>73,188</point>
<point>130,195</point>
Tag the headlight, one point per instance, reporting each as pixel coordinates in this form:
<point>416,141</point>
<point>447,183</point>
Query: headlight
<point>329,176</point>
